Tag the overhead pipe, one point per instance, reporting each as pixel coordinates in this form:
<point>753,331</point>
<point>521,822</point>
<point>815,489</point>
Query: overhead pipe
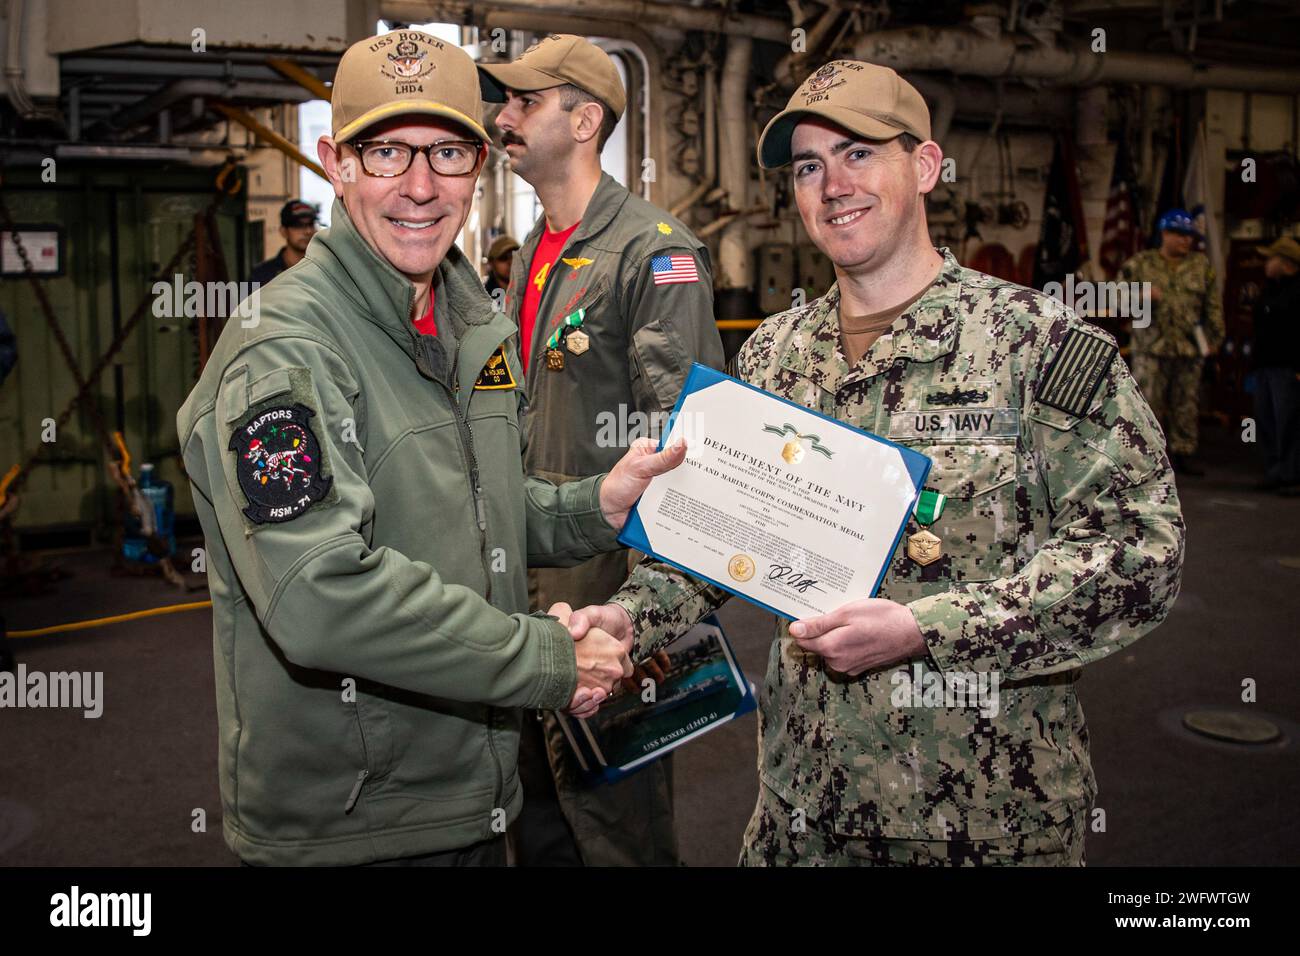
<point>15,75</point>
<point>305,78</point>
<point>735,265</point>
<point>785,69</point>
<point>270,136</point>
<point>124,119</point>
<point>647,13</point>
<point>966,52</point>
<point>944,101</point>
<point>709,172</point>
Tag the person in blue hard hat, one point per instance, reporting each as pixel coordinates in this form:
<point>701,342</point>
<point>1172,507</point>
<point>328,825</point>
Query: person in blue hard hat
<point>1185,327</point>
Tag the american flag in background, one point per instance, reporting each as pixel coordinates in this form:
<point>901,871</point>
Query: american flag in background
<point>670,269</point>
<point>1120,237</point>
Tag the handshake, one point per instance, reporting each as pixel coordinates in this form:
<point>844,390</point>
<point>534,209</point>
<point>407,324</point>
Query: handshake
<point>602,634</point>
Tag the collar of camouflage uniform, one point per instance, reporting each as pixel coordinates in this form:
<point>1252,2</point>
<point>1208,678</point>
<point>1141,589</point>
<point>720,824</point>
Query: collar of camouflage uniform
<point>923,333</point>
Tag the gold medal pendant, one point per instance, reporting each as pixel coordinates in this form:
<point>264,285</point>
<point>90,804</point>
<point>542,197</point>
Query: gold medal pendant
<point>924,548</point>
<point>554,360</point>
<point>577,341</point>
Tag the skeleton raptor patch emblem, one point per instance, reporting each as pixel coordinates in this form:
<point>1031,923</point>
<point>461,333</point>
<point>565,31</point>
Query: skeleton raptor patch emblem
<point>278,463</point>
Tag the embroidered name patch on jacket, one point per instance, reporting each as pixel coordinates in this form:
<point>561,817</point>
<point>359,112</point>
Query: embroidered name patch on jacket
<point>496,373</point>
<point>278,463</point>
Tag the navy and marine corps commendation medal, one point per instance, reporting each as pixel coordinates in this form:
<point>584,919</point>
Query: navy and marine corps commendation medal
<point>577,341</point>
<point>570,332</point>
<point>278,462</point>
<point>924,547</point>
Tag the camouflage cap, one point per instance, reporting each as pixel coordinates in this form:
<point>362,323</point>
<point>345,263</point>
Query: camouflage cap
<point>872,101</point>
<point>403,72</point>
<point>1286,247</point>
<point>555,59</point>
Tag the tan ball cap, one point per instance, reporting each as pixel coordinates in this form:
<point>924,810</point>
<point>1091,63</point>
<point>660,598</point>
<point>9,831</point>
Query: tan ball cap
<point>403,72</point>
<point>555,59</point>
<point>872,101</point>
<point>1286,247</point>
<point>502,245</point>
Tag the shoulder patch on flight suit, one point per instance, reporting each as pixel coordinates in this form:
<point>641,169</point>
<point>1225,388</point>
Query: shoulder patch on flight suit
<point>278,463</point>
<point>1074,374</point>
<point>496,373</point>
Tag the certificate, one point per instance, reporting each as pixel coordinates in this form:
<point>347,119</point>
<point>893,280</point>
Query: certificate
<point>792,510</point>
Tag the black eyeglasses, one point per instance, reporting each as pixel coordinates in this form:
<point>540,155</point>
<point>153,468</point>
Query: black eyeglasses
<point>388,158</point>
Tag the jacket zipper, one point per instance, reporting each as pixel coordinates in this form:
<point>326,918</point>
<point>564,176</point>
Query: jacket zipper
<point>356,791</point>
<point>480,518</point>
<point>476,487</point>
<point>362,775</point>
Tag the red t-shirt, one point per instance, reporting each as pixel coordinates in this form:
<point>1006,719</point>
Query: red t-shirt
<point>425,324</point>
<point>548,250</point>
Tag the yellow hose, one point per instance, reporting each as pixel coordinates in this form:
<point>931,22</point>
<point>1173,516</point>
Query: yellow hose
<point>115,619</point>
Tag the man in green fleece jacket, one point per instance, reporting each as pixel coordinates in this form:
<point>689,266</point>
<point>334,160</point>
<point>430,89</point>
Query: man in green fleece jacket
<point>356,459</point>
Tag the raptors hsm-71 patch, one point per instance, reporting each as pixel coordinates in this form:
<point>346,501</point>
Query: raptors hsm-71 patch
<point>278,462</point>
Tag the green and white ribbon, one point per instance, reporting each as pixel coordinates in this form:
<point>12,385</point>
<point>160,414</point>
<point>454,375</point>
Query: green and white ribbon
<point>929,506</point>
<point>571,321</point>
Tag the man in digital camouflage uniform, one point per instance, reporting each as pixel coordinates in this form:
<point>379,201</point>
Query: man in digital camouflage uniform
<point>1186,327</point>
<point>1049,534</point>
<point>614,301</point>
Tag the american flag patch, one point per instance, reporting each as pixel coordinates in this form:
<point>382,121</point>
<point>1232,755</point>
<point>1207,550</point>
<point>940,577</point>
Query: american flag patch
<point>670,269</point>
<point>1076,371</point>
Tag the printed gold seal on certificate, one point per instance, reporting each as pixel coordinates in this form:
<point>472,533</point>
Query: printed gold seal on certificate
<point>741,567</point>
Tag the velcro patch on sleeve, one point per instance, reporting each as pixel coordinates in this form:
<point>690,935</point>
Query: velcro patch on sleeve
<point>496,373</point>
<point>1074,374</point>
<point>278,462</point>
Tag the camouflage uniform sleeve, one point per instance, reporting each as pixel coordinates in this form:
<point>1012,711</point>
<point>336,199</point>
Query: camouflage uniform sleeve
<point>1212,318</point>
<point>1110,570</point>
<point>664,602</point>
<point>671,325</point>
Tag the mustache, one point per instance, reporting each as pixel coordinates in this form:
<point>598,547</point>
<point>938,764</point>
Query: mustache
<point>511,139</point>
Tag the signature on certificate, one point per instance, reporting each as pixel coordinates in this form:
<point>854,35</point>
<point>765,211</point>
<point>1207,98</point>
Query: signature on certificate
<point>788,575</point>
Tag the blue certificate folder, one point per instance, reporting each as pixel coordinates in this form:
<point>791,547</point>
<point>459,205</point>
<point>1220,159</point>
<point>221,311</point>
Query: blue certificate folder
<point>702,688</point>
<point>701,377</point>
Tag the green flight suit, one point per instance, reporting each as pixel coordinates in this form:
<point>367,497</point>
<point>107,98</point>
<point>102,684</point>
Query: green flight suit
<point>627,267</point>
